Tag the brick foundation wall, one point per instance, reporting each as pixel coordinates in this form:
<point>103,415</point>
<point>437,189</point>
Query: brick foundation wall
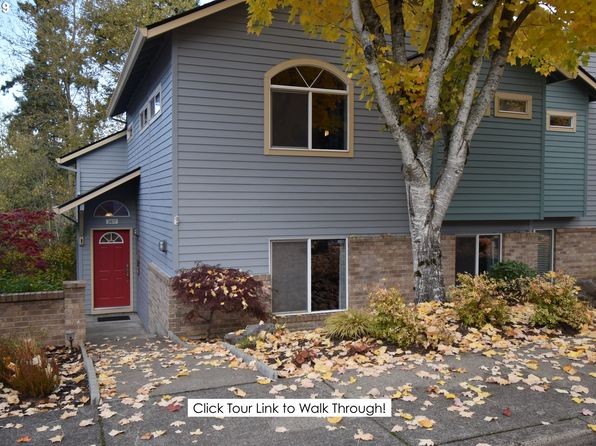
<point>575,252</point>
<point>47,314</point>
<point>521,247</point>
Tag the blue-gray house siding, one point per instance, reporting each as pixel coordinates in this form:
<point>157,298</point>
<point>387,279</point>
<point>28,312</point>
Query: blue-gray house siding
<point>565,153</point>
<point>231,197</point>
<point>101,165</point>
<point>151,150</point>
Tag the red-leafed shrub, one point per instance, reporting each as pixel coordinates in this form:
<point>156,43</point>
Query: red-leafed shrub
<point>23,237</point>
<point>209,289</point>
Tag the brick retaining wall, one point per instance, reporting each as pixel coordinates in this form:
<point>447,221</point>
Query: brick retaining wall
<point>575,252</point>
<point>46,314</point>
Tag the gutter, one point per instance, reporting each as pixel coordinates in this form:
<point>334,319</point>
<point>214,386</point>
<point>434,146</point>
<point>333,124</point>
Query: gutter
<point>133,54</point>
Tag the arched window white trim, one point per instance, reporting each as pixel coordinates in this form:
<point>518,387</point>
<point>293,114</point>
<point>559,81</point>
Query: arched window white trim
<point>111,208</point>
<point>316,91</point>
<point>111,238</point>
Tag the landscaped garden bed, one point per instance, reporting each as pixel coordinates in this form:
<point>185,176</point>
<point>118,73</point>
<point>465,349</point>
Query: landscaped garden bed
<point>37,379</point>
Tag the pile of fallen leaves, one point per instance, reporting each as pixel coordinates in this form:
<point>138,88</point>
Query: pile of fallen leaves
<point>301,353</point>
<point>71,393</point>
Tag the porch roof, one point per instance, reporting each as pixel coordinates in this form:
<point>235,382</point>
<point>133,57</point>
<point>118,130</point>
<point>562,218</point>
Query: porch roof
<point>97,191</point>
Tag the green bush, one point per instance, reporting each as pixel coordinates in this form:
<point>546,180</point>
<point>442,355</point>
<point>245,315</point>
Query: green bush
<point>11,282</point>
<point>510,270</point>
<point>478,300</point>
<point>555,301</point>
<point>513,280</point>
<point>393,319</point>
<point>349,325</point>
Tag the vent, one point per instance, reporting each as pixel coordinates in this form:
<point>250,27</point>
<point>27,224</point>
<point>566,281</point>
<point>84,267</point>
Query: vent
<point>112,318</point>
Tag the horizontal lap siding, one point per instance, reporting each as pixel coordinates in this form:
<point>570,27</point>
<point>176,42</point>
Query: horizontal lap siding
<point>232,198</point>
<point>502,178</point>
<point>152,151</point>
<point>102,165</point>
<point>565,154</point>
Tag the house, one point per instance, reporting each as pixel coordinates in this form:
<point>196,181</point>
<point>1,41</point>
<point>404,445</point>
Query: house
<point>258,153</point>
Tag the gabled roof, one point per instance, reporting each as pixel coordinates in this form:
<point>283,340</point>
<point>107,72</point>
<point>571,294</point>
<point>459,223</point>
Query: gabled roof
<point>146,40</point>
<point>65,159</point>
<point>97,191</point>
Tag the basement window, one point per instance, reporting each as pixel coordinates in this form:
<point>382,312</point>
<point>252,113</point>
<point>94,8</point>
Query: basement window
<point>513,105</point>
<point>560,121</point>
<point>546,250</point>
<point>477,254</point>
<point>309,275</point>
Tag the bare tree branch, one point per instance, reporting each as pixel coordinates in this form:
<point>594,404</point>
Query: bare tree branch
<point>398,31</point>
<point>457,146</point>
<point>465,36</point>
<point>385,104</point>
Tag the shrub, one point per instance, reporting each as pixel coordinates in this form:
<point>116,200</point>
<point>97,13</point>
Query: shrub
<point>393,319</point>
<point>555,301</point>
<point>510,270</point>
<point>349,325</point>
<point>478,300</point>
<point>209,289</point>
<point>11,282</point>
<point>513,279</point>
<point>25,367</point>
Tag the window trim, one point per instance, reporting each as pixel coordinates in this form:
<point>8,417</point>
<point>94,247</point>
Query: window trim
<point>516,97</point>
<point>147,107</point>
<point>348,92</point>
<point>477,249</point>
<point>308,241</point>
<point>557,128</point>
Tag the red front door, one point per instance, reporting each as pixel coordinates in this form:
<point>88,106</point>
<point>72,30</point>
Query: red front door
<point>111,268</point>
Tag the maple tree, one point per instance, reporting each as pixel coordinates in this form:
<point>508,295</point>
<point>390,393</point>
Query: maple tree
<point>419,62</point>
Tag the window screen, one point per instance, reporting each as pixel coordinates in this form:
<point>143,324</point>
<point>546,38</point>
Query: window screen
<point>328,279</point>
<point>289,276</point>
<point>465,255</point>
<point>545,251</point>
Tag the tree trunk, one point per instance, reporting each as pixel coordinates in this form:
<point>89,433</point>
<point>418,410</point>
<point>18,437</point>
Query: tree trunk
<point>428,269</point>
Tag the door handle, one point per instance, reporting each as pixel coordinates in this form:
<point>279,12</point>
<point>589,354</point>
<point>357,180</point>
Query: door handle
<point>127,270</point>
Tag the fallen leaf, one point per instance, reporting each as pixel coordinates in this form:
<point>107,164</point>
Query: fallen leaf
<point>281,429</point>
<point>217,427</point>
<point>197,432</point>
<point>177,423</point>
<point>67,415</point>
<point>41,428</point>
<point>238,392</point>
<point>174,407</point>
<point>507,412</point>
<point>587,412</point>
<point>364,436</point>
<point>85,423</point>
<point>569,369</point>
<point>157,433</point>
<point>426,442</point>
<point>334,420</point>
<point>57,439</point>
<point>592,426</point>
<point>24,439</point>
<point>115,432</point>
<point>262,380</point>
<point>146,436</point>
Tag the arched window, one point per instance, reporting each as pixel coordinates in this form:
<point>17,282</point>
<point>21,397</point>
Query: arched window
<point>111,238</point>
<point>111,208</point>
<point>309,109</point>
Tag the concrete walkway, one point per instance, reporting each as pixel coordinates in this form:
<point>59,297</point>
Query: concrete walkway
<point>146,383</point>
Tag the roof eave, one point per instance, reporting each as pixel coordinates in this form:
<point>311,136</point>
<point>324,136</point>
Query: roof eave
<point>133,54</point>
<point>68,158</point>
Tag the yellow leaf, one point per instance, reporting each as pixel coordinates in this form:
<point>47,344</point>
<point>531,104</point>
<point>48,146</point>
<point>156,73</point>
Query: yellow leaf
<point>406,416</point>
<point>592,426</point>
<point>263,381</point>
<point>450,396</point>
<point>426,423</point>
<point>569,369</point>
<point>334,420</point>
<point>532,365</point>
<point>396,395</point>
<point>577,399</point>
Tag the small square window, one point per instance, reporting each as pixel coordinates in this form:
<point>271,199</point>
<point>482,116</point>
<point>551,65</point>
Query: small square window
<point>560,121</point>
<point>513,105</point>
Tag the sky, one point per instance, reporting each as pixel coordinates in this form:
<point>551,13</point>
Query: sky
<point>8,66</point>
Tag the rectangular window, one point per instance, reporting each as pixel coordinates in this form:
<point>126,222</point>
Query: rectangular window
<point>546,250</point>
<point>560,121</point>
<point>309,275</point>
<point>513,105</point>
<point>476,254</point>
<point>290,119</point>
<point>151,110</point>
